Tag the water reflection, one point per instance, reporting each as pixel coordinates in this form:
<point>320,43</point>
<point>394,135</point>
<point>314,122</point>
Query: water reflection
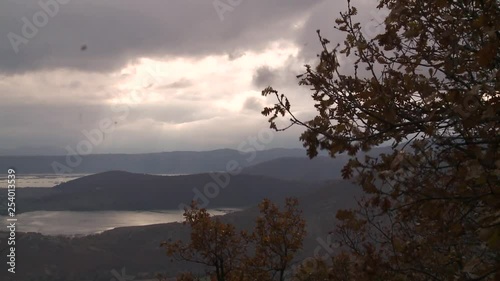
<point>48,180</point>
<point>39,180</point>
<point>83,223</point>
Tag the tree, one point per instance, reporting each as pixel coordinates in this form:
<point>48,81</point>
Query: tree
<point>314,269</point>
<point>264,254</point>
<point>278,236</point>
<point>430,84</point>
<point>213,243</point>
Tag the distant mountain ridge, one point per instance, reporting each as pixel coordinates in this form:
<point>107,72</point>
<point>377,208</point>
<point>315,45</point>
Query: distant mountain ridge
<point>318,169</point>
<point>176,162</point>
<point>181,162</point>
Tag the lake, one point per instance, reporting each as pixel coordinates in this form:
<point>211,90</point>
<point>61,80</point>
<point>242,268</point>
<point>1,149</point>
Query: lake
<point>82,223</point>
<point>39,180</point>
<point>47,180</point>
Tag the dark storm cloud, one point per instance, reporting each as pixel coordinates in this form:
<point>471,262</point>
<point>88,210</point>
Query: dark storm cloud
<point>323,19</point>
<point>115,32</point>
<point>264,76</point>
<point>47,107</point>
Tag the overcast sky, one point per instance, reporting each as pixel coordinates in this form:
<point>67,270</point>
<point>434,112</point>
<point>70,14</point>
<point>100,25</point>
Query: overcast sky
<point>167,75</point>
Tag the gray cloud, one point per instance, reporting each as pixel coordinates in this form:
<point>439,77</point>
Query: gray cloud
<point>116,32</point>
<point>323,18</point>
<point>52,89</point>
<point>264,76</point>
<point>253,104</point>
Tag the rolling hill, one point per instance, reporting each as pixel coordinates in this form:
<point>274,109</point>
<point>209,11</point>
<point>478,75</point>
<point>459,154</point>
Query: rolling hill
<point>117,190</point>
